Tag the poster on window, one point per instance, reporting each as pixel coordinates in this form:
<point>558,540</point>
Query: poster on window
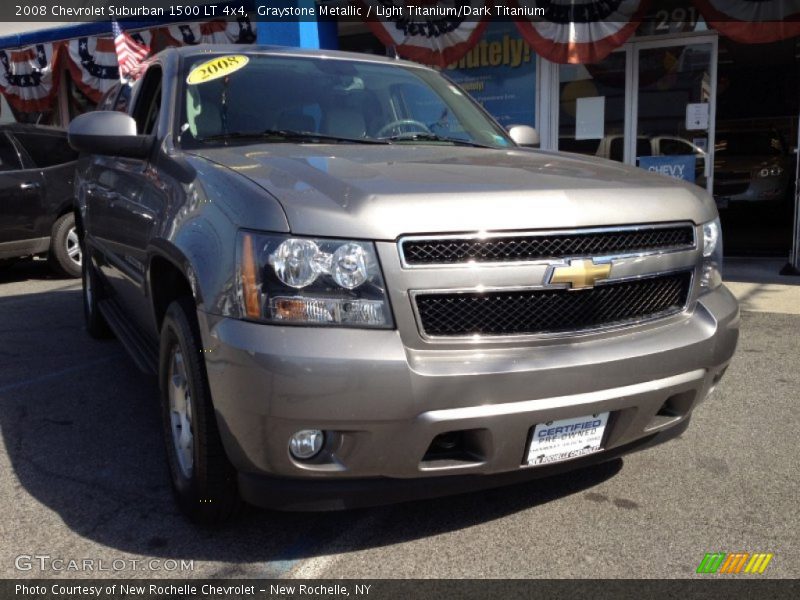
<point>500,73</point>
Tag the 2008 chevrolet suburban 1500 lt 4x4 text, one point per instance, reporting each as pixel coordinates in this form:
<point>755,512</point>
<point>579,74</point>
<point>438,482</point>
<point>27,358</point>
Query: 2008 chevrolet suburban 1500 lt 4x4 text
<point>355,287</point>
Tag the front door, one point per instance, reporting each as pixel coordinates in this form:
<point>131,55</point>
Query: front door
<point>674,108</point>
<point>134,208</point>
<point>21,191</point>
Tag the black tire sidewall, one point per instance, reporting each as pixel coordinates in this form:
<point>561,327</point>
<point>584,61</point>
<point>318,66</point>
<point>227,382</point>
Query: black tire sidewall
<point>169,338</point>
<point>210,495</point>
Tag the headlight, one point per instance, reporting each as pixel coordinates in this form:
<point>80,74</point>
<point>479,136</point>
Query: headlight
<point>294,262</point>
<point>711,237</point>
<point>306,281</point>
<point>712,255</point>
<point>773,171</point>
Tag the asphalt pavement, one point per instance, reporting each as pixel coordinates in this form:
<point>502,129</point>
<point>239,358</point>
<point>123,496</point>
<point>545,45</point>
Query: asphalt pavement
<point>83,478</point>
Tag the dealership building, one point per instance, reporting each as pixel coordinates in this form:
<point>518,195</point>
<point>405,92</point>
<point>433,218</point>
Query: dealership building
<point>707,91</point>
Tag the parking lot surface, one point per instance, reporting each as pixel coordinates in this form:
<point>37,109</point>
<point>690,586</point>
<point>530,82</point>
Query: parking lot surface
<point>83,477</point>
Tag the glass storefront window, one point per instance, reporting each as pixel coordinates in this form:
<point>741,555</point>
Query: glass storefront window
<point>755,161</point>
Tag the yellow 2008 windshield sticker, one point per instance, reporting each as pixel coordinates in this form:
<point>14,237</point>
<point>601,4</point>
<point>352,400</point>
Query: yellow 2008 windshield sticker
<point>216,68</point>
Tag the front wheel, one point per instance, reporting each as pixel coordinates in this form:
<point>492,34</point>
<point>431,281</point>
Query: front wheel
<point>65,256</point>
<point>203,480</point>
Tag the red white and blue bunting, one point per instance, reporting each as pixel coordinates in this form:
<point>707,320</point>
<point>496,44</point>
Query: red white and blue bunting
<point>752,21</point>
<point>27,77</point>
<point>579,31</point>
<point>436,41</point>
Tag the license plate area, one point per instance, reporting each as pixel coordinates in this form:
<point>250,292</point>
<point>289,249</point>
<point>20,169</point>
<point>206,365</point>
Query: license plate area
<point>566,439</point>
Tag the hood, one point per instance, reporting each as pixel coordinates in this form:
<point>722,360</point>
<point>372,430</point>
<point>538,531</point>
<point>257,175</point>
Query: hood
<point>381,192</point>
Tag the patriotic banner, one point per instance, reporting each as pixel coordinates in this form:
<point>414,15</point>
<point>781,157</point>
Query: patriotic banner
<point>438,40</point>
<point>27,77</point>
<point>240,31</point>
<point>579,31</point>
<point>752,21</point>
<point>93,62</point>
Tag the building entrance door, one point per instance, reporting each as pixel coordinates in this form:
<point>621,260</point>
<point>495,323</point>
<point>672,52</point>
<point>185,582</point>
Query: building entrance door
<point>673,108</point>
<point>651,104</point>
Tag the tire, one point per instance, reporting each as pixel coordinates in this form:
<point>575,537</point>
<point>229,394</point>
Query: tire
<point>203,479</point>
<point>65,255</point>
<point>96,325</point>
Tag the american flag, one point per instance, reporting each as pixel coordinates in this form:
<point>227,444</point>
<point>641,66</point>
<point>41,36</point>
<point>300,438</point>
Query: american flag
<point>130,53</point>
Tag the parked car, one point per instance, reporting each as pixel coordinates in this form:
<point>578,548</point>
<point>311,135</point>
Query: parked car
<point>355,287</point>
<point>752,166</point>
<point>36,197</point>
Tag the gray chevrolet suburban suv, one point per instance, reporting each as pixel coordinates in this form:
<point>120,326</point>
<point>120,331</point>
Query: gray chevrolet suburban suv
<point>355,287</point>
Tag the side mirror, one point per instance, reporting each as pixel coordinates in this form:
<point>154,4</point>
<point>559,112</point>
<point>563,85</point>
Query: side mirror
<point>524,135</point>
<point>108,132</point>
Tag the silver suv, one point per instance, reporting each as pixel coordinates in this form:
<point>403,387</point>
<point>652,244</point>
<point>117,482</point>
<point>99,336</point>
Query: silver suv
<point>356,287</point>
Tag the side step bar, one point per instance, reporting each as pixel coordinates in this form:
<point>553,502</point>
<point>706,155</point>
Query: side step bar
<point>143,352</point>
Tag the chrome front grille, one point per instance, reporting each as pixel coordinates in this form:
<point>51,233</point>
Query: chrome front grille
<point>545,311</point>
<point>555,283</point>
<point>535,246</point>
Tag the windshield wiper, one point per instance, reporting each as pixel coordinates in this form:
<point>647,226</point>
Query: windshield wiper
<point>433,137</point>
<point>289,135</point>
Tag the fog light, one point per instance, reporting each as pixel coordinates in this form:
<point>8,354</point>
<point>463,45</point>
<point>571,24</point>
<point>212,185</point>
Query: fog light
<point>306,443</point>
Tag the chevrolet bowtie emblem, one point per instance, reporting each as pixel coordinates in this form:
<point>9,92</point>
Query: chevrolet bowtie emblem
<point>581,274</point>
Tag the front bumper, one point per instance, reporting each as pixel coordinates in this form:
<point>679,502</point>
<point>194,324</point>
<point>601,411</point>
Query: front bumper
<point>337,494</point>
<point>385,403</point>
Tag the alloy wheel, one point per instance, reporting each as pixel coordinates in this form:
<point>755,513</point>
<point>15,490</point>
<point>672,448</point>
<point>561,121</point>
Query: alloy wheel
<point>180,409</point>
<point>74,247</point>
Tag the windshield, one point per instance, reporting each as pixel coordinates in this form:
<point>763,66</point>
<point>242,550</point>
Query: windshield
<point>253,98</point>
<point>753,143</point>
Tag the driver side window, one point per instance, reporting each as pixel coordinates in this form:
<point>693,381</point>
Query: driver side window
<point>148,104</point>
